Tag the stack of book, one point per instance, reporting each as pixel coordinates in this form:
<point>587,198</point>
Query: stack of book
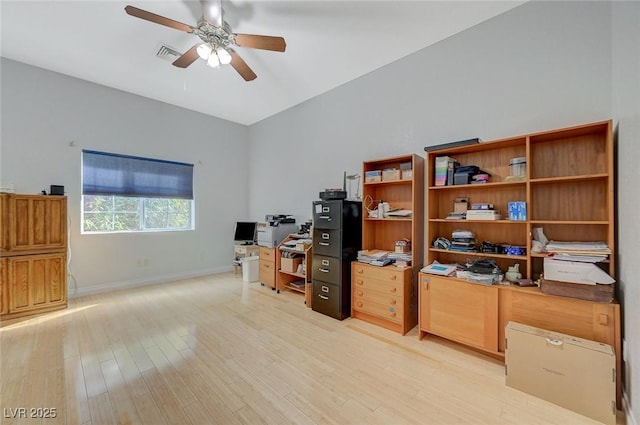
<point>483,211</point>
<point>463,240</point>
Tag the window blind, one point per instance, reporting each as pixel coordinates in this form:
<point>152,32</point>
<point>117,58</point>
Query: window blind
<point>123,175</point>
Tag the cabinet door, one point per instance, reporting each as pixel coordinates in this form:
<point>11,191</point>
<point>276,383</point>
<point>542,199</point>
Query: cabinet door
<point>36,281</point>
<point>3,286</point>
<point>36,223</point>
<point>460,311</point>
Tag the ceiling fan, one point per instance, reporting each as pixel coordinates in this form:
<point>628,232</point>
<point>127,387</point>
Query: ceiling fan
<point>218,40</point>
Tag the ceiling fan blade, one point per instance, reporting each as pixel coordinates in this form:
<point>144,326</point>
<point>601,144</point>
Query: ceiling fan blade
<point>152,17</point>
<point>212,11</point>
<point>241,66</point>
<point>187,58</point>
<point>264,42</point>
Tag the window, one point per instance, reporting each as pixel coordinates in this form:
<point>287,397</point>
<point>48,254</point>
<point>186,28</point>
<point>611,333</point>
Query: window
<point>128,194</point>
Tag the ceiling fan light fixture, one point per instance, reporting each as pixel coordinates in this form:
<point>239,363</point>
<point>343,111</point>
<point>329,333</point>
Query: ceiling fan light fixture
<point>204,51</point>
<point>213,60</point>
<point>223,56</point>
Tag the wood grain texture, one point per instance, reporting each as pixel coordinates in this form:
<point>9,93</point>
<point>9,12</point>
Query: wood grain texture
<point>216,349</point>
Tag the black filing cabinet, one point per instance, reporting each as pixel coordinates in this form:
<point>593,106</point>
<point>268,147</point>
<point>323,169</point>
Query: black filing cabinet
<point>337,237</point>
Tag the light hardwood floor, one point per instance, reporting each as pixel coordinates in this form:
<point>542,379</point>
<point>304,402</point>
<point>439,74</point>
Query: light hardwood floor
<point>217,350</point>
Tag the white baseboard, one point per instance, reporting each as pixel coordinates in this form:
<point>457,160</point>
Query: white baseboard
<point>631,420</point>
<point>115,286</point>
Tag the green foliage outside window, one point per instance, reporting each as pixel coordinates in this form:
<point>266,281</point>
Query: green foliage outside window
<point>128,214</point>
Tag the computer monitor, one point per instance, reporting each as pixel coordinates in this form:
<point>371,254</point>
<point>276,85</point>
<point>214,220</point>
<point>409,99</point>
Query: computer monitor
<point>245,232</point>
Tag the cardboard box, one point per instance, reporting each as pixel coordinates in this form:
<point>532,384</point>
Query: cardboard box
<point>575,373</point>
<point>290,265</point>
<point>390,174</point>
<point>373,176</point>
<point>406,172</point>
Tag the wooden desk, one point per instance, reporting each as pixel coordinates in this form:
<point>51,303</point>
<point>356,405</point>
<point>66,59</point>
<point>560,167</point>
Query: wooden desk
<point>241,251</point>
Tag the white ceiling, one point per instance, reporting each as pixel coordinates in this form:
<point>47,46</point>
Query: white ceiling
<point>328,44</point>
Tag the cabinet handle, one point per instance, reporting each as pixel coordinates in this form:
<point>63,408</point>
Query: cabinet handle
<point>324,297</point>
<point>393,315</point>
<point>359,293</point>
<point>394,289</point>
<point>603,319</point>
<point>393,277</point>
<point>359,304</point>
<point>359,271</point>
<point>323,270</point>
<point>392,302</point>
<point>325,217</point>
<point>323,243</point>
<point>359,281</point>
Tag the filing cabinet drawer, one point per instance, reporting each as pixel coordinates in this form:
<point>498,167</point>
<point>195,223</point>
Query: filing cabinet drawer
<point>327,269</point>
<point>329,300</point>
<point>388,273</point>
<point>327,242</point>
<point>327,214</point>
<point>268,254</point>
<point>387,311</point>
<point>267,273</point>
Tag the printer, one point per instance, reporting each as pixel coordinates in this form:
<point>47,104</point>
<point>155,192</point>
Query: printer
<point>275,229</point>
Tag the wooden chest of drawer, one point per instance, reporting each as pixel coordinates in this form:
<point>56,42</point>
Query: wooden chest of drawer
<point>267,267</point>
<point>383,295</point>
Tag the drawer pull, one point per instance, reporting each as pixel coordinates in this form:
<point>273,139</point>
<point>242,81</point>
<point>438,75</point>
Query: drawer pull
<point>359,293</point>
<point>393,277</point>
<point>325,217</point>
<point>392,302</point>
<point>324,297</point>
<point>359,282</point>
<point>323,270</point>
<point>359,304</point>
<point>394,290</point>
<point>323,243</point>
<point>360,271</point>
<point>393,315</point>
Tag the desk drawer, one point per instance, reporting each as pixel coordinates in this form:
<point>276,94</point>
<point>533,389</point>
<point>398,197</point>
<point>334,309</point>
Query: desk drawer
<point>393,313</point>
<point>386,287</point>
<point>327,214</point>
<point>369,295</point>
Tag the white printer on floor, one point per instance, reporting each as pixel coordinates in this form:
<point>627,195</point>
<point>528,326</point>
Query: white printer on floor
<point>275,229</point>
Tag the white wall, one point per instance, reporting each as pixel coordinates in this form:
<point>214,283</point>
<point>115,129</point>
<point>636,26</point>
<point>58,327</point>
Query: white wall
<point>42,112</point>
<point>626,109</point>
<point>539,66</point>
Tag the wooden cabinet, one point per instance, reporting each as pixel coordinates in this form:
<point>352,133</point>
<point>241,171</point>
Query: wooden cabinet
<point>37,281</point>
<point>4,286</point>
<point>267,271</point>
<point>568,189</point>
<point>404,190</point>
<point>383,296</point>
<point>460,311</point>
<point>33,265</point>
<point>33,223</point>
<point>293,274</point>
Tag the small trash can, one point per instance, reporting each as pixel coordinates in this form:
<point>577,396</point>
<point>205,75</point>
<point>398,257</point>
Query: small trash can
<point>250,268</point>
